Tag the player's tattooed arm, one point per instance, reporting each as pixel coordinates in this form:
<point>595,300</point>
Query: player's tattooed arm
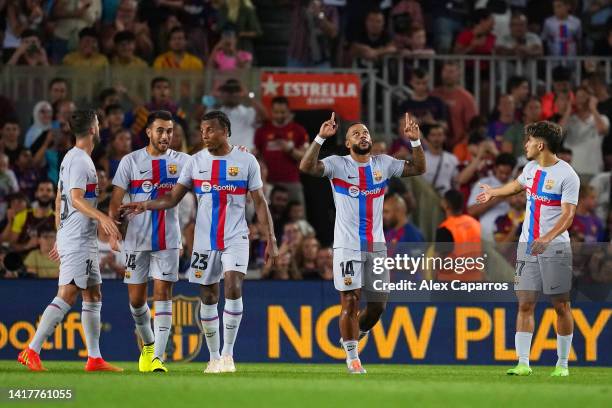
<point>415,166</point>
<point>265,218</point>
<point>310,163</point>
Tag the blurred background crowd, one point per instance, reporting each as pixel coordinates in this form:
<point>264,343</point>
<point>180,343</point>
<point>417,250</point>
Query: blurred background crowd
<point>465,143</point>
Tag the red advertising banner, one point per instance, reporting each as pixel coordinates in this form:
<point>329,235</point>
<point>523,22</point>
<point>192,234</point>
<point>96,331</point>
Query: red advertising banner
<point>339,92</point>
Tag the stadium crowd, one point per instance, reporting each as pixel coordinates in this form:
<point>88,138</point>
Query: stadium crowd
<point>465,146</point>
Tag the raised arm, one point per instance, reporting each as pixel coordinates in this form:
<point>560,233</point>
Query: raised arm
<point>265,218</point>
<point>415,166</point>
<point>310,163</point>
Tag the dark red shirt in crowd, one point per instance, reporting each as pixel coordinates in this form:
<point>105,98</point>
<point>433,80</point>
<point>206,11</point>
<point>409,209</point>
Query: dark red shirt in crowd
<point>282,168</point>
<point>466,37</point>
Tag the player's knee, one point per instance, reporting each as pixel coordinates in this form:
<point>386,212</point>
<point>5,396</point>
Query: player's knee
<point>526,307</point>
<point>210,298</point>
<point>350,303</point>
<point>562,308</point>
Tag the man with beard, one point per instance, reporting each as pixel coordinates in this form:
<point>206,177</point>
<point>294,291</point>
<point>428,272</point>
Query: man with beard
<point>153,238</point>
<point>358,182</point>
<point>77,247</point>
<point>23,236</point>
<point>544,256</point>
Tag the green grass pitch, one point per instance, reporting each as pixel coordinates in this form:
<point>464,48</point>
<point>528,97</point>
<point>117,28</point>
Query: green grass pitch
<point>313,385</point>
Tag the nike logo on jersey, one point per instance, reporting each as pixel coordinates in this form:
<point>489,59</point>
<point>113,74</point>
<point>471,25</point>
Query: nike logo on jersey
<point>203,171</point>
<point>555,287</point>
<point>143,171</point>
<point>166,274</point>
<point>240,265</point>
<point>352,177</point>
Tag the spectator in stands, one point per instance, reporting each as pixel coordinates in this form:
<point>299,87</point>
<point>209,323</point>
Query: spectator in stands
<point>314,29</point>
<point>124,47</point>
<point>449,17</point>
<point>441,169</point>
<point>374,42</point>
<point>584,133</point>
<point>42,116</point>
<point>8,183</point>
<point>241,13</point>
<point>126,21</point>
<point>520,42</point>
<point>478,40</point>
<point>279,199</point>
<point>458,235</point>
<point>178,57</point>
<point>284,269</point>
<point>398,229</point>
<point>426,108</point>
<point>518,88</point>
<point>487,213</point>
<point>405,16</point>
<point>58,90</point>
<point>306,258</point>
<point>226,57</point>
<point>9,141</point>
<point>514,138</point>
<point>38,262</point>
<point>497,128</point>
<point>120,145</point>
<point>561,84</point>
<point>20,16</point>
<point>295,211</point>
<point>27,173</point>
<point>86,55</point>
<point>62,111</point>
<point>562,32</point>
<point>244,118</point>
<point>104,188</point>
<point>23,236</point>
<point>586,223</point>
<point>476,161</point>
<point>17,202</point>
<point>30,51</point>
<point>508,226</point>
<point>281,143</point>
<point>602,183</point>
<point>325,263</point>
<point>602,93</point>
<point>416,42</point>
<point>161,99</point>
<point>600,265</point>
<point>50,149</point>
<point>115,117</point>
<point>69,18</point>
<point>461,104</point>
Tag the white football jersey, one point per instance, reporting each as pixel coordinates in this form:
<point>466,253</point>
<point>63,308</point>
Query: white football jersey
<point>145,177</point>
<point>221,184</point>
<point>77,231</point>
<point>359,190</point>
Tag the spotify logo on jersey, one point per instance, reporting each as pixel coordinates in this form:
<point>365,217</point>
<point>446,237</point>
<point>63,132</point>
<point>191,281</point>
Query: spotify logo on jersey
<point>147,186</point>
<point>206,187</point>
<point>353,191</point>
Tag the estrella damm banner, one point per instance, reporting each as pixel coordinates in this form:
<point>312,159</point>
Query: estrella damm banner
<point>298,322</point>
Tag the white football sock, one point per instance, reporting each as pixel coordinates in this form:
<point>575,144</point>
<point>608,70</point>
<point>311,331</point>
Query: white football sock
<point>232,315</point>
<point>564,343</point>
<point>162,324</point>
<point>53,314</point>
<point>522,343</point>
<point>142,318</point>
<point>90,318</point>
<point>351,349</point>
<point>209,316</point>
